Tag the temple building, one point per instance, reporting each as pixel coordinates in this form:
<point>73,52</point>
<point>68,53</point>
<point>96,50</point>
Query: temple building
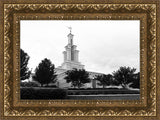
<point>71,60</point>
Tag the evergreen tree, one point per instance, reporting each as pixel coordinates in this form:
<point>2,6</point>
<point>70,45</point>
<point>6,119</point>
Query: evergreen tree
<point>45,72</point>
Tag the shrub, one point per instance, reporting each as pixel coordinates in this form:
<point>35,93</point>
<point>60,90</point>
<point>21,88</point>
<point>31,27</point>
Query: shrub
<point>43,93</point>
<point>27,93</point>
<point>101,91</point>
<point>51,86</point>
<point>29,84</point>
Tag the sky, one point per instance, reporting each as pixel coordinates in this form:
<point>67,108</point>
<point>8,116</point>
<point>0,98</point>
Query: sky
<point>104,45</point>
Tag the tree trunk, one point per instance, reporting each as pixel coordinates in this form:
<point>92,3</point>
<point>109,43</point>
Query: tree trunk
<point>123,85</point>
<point>78,84</point>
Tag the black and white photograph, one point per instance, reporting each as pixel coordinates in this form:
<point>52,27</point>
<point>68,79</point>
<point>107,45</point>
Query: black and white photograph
<point>80,59</point>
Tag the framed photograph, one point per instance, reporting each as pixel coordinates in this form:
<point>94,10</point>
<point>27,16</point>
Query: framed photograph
<point>79,59</point>
<point>95,71</point>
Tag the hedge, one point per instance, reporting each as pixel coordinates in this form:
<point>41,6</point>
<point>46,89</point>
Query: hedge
<point>42,93</point>
<point>105,91</point>
<point>29,84</point>
<point>92,88</point>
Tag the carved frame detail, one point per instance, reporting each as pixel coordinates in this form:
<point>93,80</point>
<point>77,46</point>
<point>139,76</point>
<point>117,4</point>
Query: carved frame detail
<point>13,13</point>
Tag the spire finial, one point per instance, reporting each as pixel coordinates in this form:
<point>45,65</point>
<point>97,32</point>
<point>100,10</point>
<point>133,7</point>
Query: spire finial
<point>70,28</point>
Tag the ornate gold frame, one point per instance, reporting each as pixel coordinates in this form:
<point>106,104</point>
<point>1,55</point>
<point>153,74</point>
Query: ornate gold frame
<point>147,12</point>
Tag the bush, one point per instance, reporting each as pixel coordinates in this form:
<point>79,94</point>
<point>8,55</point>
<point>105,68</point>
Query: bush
<point>101,91</point>
<point>95,88</point>
<point>43,93</point>
<point>51,86</point>
<point>27,93</point>
<point>29,84</point>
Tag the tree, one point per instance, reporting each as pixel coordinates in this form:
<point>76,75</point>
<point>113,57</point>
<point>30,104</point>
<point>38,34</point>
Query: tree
<point>124,75</point>
<point>45,72</point>
<point>77,77</point>
<point>136,81</point>
<point>24,70</point>
<point>104,80</point>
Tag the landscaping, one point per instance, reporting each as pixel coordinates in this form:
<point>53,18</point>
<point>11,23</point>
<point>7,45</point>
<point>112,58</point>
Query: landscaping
<point>101,91</point>
<point>58,93</point>
<point>44,84</point>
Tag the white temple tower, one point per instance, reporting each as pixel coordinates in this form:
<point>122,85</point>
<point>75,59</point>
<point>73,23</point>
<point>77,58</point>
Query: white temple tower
<point>71,59</point>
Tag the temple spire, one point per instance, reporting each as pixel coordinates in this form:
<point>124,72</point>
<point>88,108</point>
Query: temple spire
<point>71,54</point>
<point>70,37</point>
<point>70,28</point>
